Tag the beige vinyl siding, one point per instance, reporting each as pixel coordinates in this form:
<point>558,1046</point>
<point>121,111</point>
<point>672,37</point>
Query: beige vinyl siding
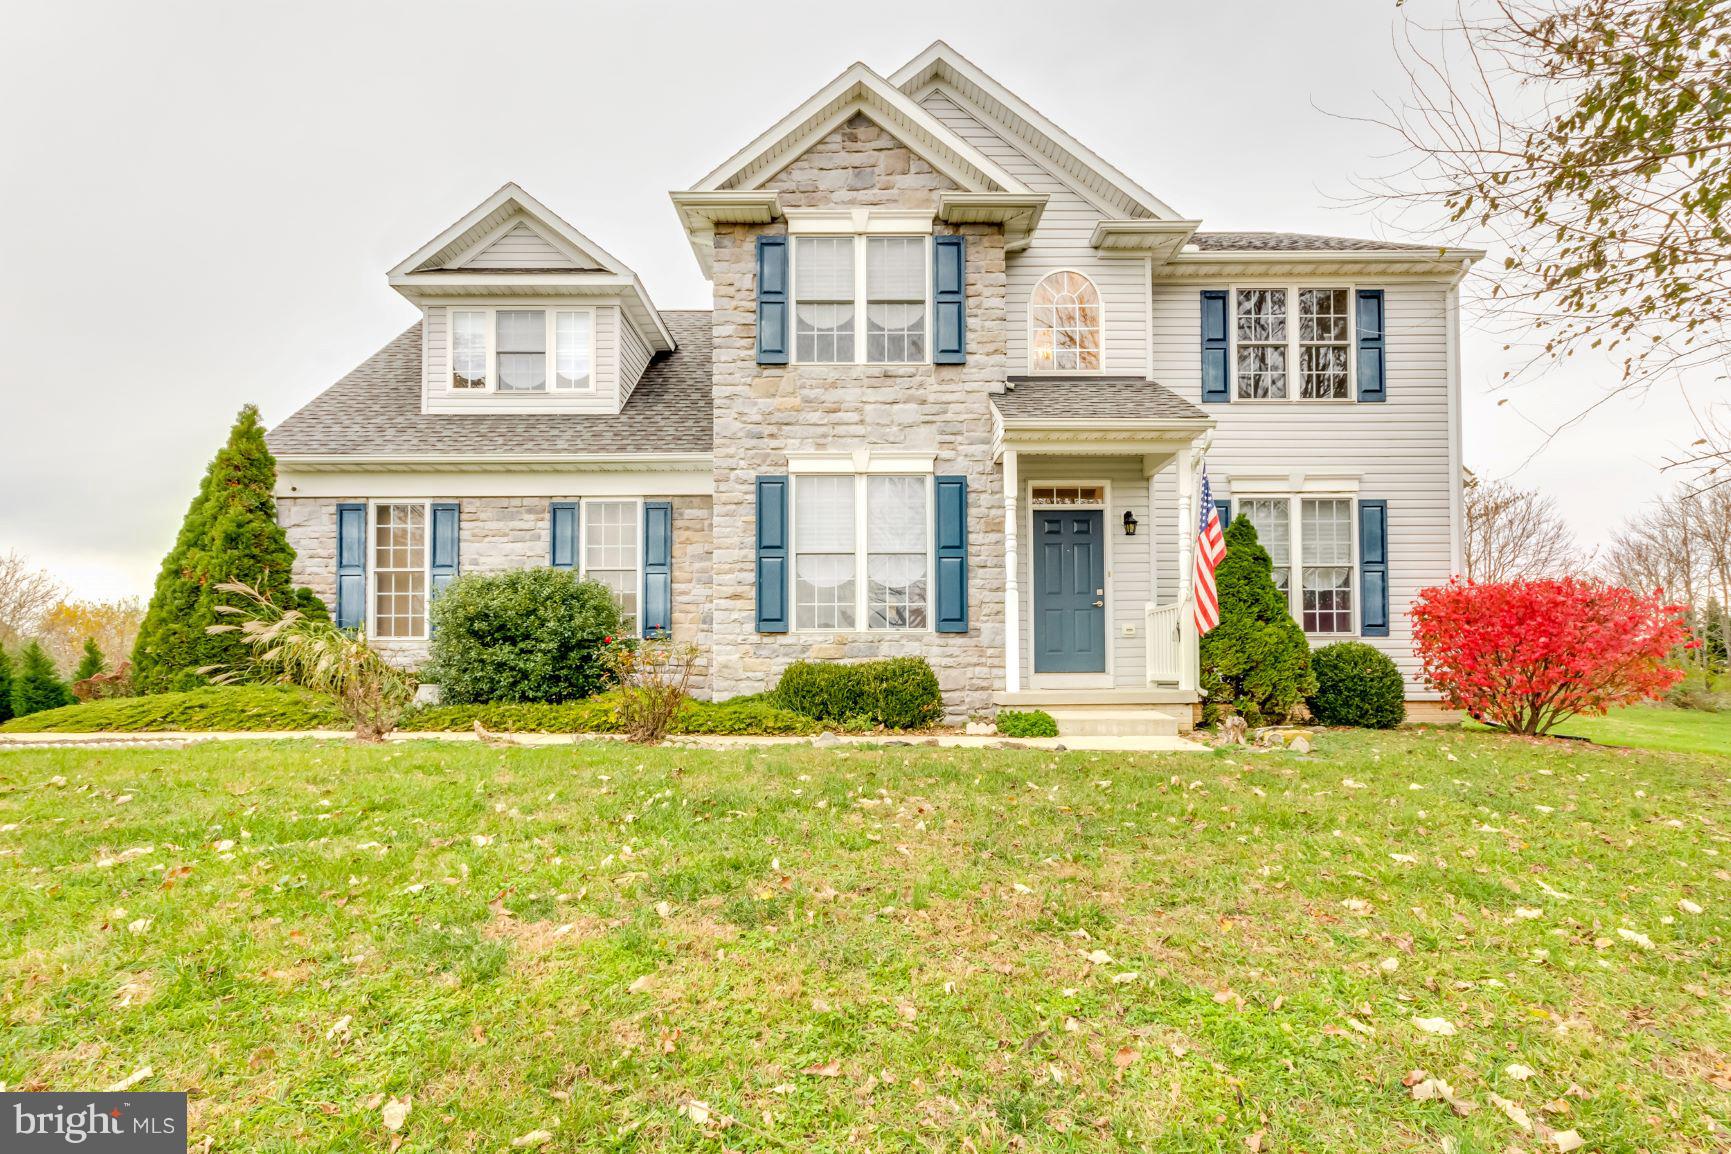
<point>1401,446</point>
<point>1060,242</point>
<point>634,357</point>
<point>1129,560</point>
<point>520,247</point>
<point>436,396</point>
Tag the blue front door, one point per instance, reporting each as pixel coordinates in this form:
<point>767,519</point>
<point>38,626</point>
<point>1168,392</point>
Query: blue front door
<point>1069,591</point>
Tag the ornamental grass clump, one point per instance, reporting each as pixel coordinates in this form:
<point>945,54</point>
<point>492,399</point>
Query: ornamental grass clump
<point>291,648</point>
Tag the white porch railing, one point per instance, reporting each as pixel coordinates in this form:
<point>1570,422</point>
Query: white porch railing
<point>1164,637</point>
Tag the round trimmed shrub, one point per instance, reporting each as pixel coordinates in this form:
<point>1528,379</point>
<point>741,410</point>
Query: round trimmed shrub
<point>1357,685</point>
<point>1026,723</point>
<point>897,693</point>
<point>522,635</point>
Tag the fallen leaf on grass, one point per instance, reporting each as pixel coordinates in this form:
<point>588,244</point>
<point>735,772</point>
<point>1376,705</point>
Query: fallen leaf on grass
<point>1100,957</point>
<point>395,1113</point>
<point>1253,1142</point>
<point>1388,965</point>
<point>1441,1026</point>
<point>533,1138</point>
<point>1426,1089</point>
<point>1513,1110</point>
<point>1124,1059</point>
<point>130,1080</point>
<point>1125,979</point>
<point>1688,906</point>
<point>1518,1072</point>
<point>1642,940</point>
<point>1567,1140</point>
<point>697,1111</point>
<point>339,1028</point>
<point>1528,913</point>
<point>641,984</point>
<point>830,1069</point>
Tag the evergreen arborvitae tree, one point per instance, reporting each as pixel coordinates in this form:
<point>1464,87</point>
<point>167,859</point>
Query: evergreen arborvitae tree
<point>92,662</point>
<point>230,534</point>
<point>36,687</point>
<point>5,685</point>
<point>1256,660</point>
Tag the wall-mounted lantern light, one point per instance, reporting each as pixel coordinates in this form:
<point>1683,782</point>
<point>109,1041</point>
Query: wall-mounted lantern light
<point>1129,523</point>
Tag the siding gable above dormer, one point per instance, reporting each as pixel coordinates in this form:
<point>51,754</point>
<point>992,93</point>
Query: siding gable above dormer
<point>519,245</point>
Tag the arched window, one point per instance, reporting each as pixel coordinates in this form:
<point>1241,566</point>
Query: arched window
<point>1066,323</point>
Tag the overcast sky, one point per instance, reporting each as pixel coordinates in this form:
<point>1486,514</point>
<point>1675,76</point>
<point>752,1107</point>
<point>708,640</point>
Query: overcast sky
<point>201,200</point>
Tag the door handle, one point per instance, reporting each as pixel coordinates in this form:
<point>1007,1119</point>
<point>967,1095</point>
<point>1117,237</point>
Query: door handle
<point>1099,605</point>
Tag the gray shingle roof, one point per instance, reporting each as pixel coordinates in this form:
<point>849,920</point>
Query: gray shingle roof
<point>1106,398</point>
<point>1297,242</point>
<point>376,410</point>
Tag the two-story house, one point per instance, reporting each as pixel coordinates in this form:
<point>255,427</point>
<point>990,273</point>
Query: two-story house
<point>952,399</point>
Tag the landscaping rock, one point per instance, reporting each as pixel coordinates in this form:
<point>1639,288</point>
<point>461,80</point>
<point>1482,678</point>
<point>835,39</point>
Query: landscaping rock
<point>825,740</point>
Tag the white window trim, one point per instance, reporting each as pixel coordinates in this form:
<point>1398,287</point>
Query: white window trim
<point>636,503</point>
<point>492,309</point>
<point>371,569</point>
<point>1299,491</point>
<point>860,235</point>
<point>1035,371</point>
<point>881,465</point>
<point>1294,382</point>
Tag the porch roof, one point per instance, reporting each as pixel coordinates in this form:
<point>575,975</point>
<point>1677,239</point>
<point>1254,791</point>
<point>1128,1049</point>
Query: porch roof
<point>1082,398</point>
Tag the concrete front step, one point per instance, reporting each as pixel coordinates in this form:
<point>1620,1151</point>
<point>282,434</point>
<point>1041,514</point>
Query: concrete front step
<point>1084,721</point>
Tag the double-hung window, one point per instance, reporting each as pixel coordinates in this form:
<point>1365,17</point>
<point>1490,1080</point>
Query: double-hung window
<point>1269,348</point>
<point>612,549</point>
<point>846,525</point>
<point>1310,542</point>
<point>400,571</point>
<point>522,350</point>
<point>837,280</point>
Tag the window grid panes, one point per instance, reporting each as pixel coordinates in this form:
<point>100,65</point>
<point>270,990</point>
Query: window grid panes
<point>1322,343</point>
<point>522,350</point>
<point>895,299</point>
<point>823,311</point>
<point>610,550</point>
<point>1261,343</point>
<point>1064,495</point>
<point>1272,519</point>
<point>468,349</point>
<point>1326,544</point>
<point>399,571</point>
<point>896,552</point>
<point>1066,323</point>
<point>823,567</point>
<point>572,344</point>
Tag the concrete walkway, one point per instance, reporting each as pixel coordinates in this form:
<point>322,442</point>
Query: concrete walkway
<point>1140,744</point>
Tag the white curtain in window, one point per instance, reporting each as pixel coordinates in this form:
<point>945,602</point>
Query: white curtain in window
<point>896,515</point>
<point>896,268</point>
<point>823,268</point>
<point>823,519</point>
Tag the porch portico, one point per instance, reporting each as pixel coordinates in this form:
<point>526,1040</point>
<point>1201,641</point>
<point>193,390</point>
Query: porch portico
<point>1100,507</point>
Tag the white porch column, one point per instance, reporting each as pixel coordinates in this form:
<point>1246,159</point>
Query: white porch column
<point>1189,669</point>
<point>1012,593</point>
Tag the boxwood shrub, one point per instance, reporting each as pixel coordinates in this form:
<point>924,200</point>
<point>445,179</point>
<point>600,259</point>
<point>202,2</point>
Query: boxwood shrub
<point>1356,684</point>
<point>1026,723</point>
<point>895,693</point>
<point>216,708</point>
<point>526,635</point>
<point>740,717</point>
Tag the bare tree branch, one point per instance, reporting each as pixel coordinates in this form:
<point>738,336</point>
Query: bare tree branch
<point>26,593</point>
<point>1514,532</point>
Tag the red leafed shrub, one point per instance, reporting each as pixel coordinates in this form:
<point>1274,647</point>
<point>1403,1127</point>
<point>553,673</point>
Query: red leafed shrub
<point>1526,655</point>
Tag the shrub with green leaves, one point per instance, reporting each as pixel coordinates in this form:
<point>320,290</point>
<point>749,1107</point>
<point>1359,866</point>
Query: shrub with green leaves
<point>1256,660</point>
<point>211,709</point>
<point>5,685</point>
<point>1026,723</point>
<point>522,635</point>
<point>37,687</point>
<point>1357,685</point>
<point>230,534</point>
<point>739,717</point>
<point>92,662</point>
<point>896,693</point>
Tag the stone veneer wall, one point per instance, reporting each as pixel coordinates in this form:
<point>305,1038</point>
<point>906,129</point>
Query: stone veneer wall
<point>764,412</point>
<point>500,533</point>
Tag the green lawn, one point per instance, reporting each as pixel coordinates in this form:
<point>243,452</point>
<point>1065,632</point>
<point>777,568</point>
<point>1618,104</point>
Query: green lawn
<point>1655,727</point>
<point>891,949</point>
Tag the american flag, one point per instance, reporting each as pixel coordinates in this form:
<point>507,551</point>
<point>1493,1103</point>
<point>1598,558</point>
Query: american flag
<point>1210,548</point>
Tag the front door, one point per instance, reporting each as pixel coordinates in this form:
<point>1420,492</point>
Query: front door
<point>1069,591</point>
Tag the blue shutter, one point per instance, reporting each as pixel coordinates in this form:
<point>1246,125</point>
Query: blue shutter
<point>1373,567</point>
<point>949,300</point>
<point>1216,379</point>
<point>1372,355</point>
<point>351,566</point>
<point>772,300</point>
<point>444,518</point>
<point>1224,508</point>
<point>657,568</point>
<point>772,554</point>
<point>563,531</point>
<point>951,537</point>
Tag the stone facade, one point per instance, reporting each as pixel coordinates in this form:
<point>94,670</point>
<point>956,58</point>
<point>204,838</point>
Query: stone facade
<point>762,413</point>
<point>500,533</point>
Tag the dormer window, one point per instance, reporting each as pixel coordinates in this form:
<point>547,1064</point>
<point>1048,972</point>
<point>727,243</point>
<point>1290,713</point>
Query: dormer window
<point>1065,316</point>
<point>506,350</point>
